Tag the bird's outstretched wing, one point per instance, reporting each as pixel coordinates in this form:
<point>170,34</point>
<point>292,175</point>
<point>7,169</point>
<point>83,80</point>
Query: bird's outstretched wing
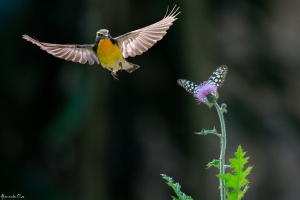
<point>72,52</point>
<point>139,41</point>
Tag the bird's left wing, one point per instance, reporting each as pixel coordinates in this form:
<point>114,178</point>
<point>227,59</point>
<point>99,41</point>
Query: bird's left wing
<point>139,41</point>
<point>72,52</point>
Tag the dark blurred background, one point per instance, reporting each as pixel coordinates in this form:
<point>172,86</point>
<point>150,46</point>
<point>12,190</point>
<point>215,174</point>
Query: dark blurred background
<point>70,131</point>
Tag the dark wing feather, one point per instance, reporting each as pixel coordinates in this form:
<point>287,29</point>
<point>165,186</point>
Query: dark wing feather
<point>139,41</point>
<point>75,53</point>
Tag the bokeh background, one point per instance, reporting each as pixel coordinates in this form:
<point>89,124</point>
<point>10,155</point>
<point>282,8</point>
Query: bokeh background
<point>70,131</point>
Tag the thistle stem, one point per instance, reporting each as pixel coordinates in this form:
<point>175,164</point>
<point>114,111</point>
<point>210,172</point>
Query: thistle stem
<point>223,149</point>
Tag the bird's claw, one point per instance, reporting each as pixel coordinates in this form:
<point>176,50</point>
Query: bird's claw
<point>114,74</point>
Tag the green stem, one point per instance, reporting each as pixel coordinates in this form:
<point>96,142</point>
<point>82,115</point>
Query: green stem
<point>223,148</point>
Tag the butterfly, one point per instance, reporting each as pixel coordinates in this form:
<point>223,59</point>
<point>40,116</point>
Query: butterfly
<point>217,78</point>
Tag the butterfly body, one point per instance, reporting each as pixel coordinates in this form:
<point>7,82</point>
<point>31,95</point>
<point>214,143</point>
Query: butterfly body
<point>217,78</point>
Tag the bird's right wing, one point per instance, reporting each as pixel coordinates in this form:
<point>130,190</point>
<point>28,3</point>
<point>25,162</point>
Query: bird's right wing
<point>139,41</point>
<point>72,52</point>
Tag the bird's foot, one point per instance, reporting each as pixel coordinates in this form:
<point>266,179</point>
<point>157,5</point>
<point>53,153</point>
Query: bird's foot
<point>114,74</point>
<point>121,66</point>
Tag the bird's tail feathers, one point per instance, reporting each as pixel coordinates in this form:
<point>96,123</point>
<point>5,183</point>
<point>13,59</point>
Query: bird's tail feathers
<point>130,67</point>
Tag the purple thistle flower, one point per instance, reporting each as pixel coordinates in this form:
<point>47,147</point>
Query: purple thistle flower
<point>206,93</point>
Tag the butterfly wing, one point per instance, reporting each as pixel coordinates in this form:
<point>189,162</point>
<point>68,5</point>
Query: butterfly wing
<point>218,76</point>
<point>189,86</point>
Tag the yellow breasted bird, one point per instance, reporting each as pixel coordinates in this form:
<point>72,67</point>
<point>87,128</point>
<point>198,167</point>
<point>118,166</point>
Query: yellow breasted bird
<point>111,52</point>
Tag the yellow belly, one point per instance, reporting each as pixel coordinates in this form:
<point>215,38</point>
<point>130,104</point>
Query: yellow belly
<point>109,55</point>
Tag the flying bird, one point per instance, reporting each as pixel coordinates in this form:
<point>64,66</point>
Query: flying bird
<point>112,52</point>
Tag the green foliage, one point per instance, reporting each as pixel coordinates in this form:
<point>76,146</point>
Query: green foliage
<point>223,108</point>
<point>214,163</point>
<point>204,132</point>
<point>176,187</point>
<point>237,183</point>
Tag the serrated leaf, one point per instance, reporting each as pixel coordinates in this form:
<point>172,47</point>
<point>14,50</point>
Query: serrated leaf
<point>214,163</point>
<point>176,187</point>
<point>237,182</point>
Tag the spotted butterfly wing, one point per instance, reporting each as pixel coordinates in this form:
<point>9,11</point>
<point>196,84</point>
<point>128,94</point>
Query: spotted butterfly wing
<point>187,85</point>
<point>218,76</point>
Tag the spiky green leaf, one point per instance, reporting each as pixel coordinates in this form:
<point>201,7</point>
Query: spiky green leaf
<point>237,183</point>
<point>204,132</point>
<point>214,163</point>
<point>176,187</point>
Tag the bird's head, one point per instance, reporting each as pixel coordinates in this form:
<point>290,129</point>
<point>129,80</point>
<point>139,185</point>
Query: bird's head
<point>102,34</point>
